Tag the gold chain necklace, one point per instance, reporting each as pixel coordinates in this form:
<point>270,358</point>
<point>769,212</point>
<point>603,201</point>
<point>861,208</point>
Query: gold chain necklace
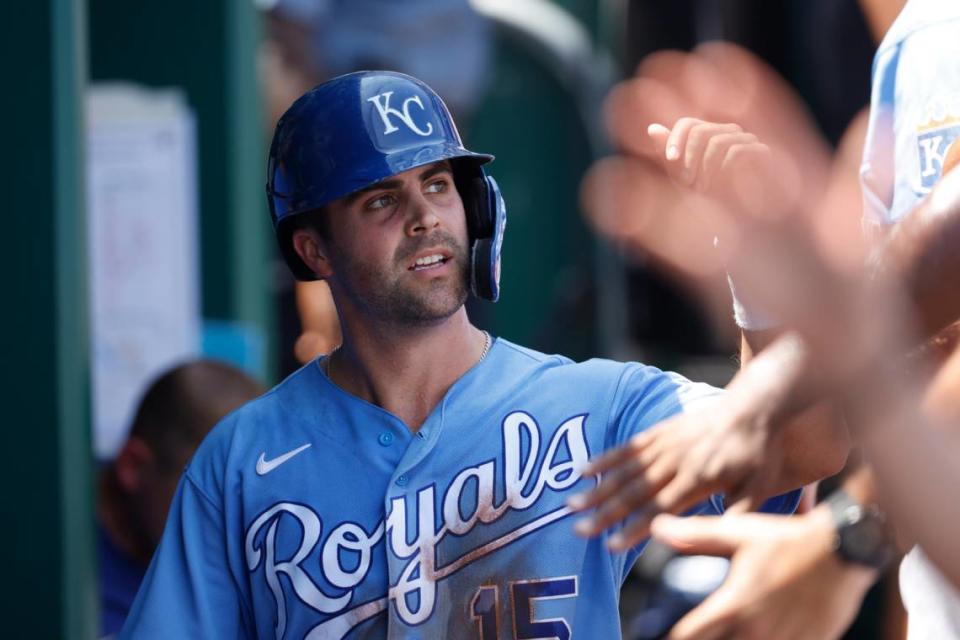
<point>487,341</point>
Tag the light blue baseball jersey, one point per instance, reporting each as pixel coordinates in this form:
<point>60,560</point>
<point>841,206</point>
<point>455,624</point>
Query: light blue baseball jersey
<point>914,110</point>
<point>310,513</point>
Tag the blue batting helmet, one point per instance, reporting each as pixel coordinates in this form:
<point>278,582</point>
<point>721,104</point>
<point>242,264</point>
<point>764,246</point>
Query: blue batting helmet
<point>358,129</point>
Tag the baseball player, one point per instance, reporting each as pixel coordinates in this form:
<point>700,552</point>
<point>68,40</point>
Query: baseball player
<point>413,483</point>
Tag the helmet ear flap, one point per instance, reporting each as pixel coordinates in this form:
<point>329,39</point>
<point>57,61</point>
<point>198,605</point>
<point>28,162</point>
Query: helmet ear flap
<point>472,186</point>
<point>487,240</point>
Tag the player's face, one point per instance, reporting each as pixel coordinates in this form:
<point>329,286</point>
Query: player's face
<point>398,250</point>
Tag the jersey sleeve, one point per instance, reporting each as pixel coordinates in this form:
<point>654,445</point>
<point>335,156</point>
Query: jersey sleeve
<point>647,396</point>
<point>189,591</point>
<point>914,112</point>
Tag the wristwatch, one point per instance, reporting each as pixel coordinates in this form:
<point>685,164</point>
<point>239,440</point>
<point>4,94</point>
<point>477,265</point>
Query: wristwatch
<point>862,533</point>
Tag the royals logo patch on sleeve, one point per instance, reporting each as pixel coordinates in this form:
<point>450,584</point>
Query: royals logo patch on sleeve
<point>933,141</point>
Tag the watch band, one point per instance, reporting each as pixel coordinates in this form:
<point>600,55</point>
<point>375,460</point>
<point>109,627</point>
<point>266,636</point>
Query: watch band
<point>863,535</point>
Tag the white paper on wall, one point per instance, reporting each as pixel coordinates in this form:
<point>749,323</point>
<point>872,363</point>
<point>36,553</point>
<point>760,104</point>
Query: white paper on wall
<point>144,264</point>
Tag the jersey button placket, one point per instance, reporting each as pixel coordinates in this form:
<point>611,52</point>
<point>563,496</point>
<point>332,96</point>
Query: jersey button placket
<point>385,439</point>
<point>402,480</point>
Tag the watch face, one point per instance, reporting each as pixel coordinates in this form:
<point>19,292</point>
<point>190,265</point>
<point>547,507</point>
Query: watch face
<point>864,541</point>
<point>864,537</point>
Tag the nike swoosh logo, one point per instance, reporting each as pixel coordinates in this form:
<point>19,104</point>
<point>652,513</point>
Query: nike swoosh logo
<point>265,466</point>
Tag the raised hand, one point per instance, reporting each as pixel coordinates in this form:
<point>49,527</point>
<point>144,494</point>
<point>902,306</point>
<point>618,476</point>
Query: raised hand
<point>784,582</point>
<point>727,445</point>
<point>678,464</point>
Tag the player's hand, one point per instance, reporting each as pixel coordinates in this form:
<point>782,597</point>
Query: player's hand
<point>777,171</point>
<point>719,160</point>
<point>726,446</point>
<point>729,444</point>
<point>785,581</point>
<point>794,244</point>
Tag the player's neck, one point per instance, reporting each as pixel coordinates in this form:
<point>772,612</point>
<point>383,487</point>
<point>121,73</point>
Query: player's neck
<point>406,371</point>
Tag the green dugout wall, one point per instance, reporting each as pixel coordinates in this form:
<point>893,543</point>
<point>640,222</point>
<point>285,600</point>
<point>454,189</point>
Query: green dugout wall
<point>50,48</point>
<point>46,496</point>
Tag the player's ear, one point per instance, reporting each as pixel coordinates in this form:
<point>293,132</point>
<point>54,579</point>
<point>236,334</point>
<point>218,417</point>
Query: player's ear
<point>131,464</point>
<point>313,251</point>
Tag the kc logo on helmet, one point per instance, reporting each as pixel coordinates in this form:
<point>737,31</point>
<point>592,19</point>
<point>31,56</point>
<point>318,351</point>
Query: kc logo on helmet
<point>382,102</point>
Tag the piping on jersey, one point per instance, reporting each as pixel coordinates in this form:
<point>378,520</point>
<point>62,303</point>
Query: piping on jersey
<point>420,574</point>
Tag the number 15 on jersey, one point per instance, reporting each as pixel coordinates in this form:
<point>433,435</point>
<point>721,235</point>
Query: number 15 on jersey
<point>485,609</point>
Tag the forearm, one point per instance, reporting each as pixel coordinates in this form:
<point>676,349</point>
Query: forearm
<point>777,367</point>
<point>915,462</point>
<point>921,252</point>
<point>941,402</point>
<point>776,384</point>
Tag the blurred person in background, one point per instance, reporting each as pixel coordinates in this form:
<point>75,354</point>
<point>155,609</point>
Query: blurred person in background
<point>913,121</point>
<point>136,488</point>
<point>446,43</point>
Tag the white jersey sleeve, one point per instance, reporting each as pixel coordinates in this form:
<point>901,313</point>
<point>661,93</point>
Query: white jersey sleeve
<point>915,110</point>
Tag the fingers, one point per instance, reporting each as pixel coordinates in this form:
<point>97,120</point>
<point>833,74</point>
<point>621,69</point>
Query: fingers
<point>677,142</point>
<point>695,152</point>
<point>694,138</point>
<point>742,503</point>
<point>634,446</point>
<point>616,508</point>
<point>658,136</point>
<point>727,154</point>
<point>760,100</point>
<point>619,466</point>
<point>621,195</point>
<point>630,200</point>
<point>614,482</point>
<point>721,83</point>
<point>679,495</point>
<point>750,496</point>
<point>633,106</point>
<point>713,619</point>
<point>694,81</point>
<point>641,497</point>
<point>703,535</point>
<point>630,496</point>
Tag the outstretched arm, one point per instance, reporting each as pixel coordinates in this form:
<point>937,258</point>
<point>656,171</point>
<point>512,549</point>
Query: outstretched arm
<point>759,440</point>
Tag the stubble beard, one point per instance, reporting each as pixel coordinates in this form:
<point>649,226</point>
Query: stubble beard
<point>389,294</point>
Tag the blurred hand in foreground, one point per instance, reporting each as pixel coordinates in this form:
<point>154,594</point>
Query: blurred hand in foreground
<point>699,194</point>
<point>785,580</point>
<point>674,190</point>
<point>725,445</point>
